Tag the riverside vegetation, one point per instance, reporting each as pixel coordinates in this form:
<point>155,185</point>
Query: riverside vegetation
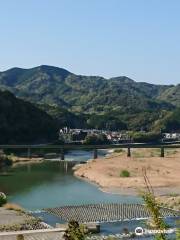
<point>53,97</point>
<point>4,160</point>
<point>157,221</point>
<point>3,199</point>
<point>77,232</point>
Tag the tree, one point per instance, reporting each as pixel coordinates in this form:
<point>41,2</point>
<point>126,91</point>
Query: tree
<point>74,231</point>
<point>146,137</point>
<point>3,199</point>
<point>95,139</point>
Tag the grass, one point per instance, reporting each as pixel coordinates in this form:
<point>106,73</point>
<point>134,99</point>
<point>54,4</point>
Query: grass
<point>171,152</point>
<point>125,173</point>
<point>155,153</point>
<point>151,204</point>
<point>148,153</point>
<point>12,206</point>
<point>178,230</point>
<point>119,150</point>
<point>141,153</point>
<point>29,224</point>
<point>173,194</point>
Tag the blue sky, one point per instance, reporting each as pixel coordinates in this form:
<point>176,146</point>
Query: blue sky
<point>136,38</point>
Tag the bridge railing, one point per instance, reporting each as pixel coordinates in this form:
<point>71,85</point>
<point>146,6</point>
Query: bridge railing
<point>51,233</point>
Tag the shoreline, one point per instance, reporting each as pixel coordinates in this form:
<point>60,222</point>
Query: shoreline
<point>23,160</point>
<point>159,191</point>
<point>164,196</point>
<point>101,172</point>
<point>15,218</point>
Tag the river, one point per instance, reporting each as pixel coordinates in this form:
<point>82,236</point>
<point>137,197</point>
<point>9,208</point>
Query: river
<point>52,184</point>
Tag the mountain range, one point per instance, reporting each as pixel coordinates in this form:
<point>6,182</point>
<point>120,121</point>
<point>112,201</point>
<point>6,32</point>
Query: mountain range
<point>57,86</point>
<point>93,101</point>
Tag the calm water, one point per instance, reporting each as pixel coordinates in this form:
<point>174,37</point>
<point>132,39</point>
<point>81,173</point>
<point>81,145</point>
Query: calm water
<point>52,183</point>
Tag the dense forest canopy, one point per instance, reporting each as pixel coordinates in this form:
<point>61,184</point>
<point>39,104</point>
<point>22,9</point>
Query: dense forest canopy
<point>56,97</point>
<point>21,122</point>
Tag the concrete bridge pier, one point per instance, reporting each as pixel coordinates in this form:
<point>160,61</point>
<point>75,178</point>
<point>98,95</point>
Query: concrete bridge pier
<point>29,153</point>
<point>129,152</point>
<point>62,154</point>
<point>162,151</point>
<point>95,154</point>
<point>42,152</point>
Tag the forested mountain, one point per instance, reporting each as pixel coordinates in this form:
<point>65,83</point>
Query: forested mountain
<point>51,85</point>
<point>93,101</point>
<point>21,122</point>
<point>64,117</point>
<point>172,95</point>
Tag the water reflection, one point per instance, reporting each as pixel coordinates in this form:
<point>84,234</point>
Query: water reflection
<point>51,184</point>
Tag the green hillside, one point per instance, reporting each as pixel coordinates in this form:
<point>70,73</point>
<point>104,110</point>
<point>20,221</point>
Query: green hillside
<point>21,122</point>
<point>169,123</point>
<point>172,95</point>
<point>51,85</point>
<point>64,117</point>
<point>92,101</point>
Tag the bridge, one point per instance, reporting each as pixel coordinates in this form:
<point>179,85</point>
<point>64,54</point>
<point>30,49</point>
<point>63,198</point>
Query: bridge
<point>94,148</point>
<point>62,148</point>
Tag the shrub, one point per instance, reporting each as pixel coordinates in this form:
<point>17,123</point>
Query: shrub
<point>74,231</point>
<point>118,150</point>
<point>96,139</point>
<point>149,137</point>
<point>153,207</point>
<point>8,162</point>
<point>124,173</point>
<point>5,161</point>
<point>3,199</point>
<point>20,237</point>
<point>178,231</point>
